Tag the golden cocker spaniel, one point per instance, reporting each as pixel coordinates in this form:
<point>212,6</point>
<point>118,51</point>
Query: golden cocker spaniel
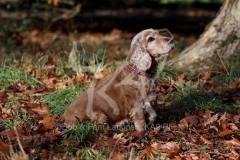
<point>125,95</point>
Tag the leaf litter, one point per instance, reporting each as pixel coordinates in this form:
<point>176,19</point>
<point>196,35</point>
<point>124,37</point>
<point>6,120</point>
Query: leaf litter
<point>199,134</point>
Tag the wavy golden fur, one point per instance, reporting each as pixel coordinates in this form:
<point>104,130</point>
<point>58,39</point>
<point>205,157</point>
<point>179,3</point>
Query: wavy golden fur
<point>122,96</point>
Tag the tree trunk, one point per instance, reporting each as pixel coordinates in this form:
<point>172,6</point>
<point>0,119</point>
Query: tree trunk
<point>222,37</point>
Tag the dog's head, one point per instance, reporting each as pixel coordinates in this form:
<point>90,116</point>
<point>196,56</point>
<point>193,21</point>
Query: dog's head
<point>146,45</point>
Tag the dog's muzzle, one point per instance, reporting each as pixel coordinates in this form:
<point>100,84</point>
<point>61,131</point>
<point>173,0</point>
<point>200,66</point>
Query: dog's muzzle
<point>170,41</point>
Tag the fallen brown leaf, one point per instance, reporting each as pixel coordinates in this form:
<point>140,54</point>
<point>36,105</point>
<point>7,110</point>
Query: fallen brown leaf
<point>4,148</point>
<point>204,141</point>
<point>3,97</point>
<point>18,87</point>
<point>207,76</point>
<point>171,149</point>
<point>111,141</point>
<point>120,138</point>
<point>234,142</point>
<point>71,142</point>
<point>234,155</point>
<point>38,108</point>
<point>148,152</point>
<point>233,127</point>
<point>236,118</point>
<point>45,154</point>
<point>11,133</point>
<point>225,132</point>
<point>48,122</point>
<point>183,124</point>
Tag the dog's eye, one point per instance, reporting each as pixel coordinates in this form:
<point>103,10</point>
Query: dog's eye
<point>150,39</point>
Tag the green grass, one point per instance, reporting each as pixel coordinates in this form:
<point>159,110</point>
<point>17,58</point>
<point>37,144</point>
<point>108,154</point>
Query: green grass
<point>12,102</point>
<point>191,99</point>
<point>8,124</point>
<point>168,72</point>
<point>59,100</point>
<point>80,131</point>
<point>232,64</point>
<point>14,106</point>
<point>18,120</point>
<point>10,75</point>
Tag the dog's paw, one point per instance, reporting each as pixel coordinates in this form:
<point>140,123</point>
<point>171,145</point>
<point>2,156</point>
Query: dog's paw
<point>152,118</point>
<point>60,127</point>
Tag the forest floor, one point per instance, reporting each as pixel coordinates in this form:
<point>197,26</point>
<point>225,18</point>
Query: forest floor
<point>198,118</point>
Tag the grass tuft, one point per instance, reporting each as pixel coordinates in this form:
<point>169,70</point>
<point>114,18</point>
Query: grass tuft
<point>168,72</point>
<point>8,124</point>
<point>80,131</point>
<point>18,119</point>
<point>59,100</point>
<point>189,100</point>
<point>234,72</point>
<point>10,75</point>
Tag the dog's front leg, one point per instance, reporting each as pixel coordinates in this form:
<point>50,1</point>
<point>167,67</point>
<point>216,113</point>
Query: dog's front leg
<point>151,96</point>
<point>137,116</point>
<point>150,111</point>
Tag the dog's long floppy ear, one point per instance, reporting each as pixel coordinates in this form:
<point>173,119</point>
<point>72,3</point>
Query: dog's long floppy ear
<point>138,55</point>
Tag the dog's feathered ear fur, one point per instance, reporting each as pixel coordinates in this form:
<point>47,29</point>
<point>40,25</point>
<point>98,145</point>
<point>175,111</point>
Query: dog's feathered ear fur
<point>140,58</point>
<point>138,55</point>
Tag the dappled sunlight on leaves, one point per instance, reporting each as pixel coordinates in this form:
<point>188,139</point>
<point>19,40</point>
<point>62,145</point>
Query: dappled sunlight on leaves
<point>198,117</point>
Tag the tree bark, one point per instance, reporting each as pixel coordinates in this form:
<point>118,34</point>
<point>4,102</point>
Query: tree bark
<point>222,37</point>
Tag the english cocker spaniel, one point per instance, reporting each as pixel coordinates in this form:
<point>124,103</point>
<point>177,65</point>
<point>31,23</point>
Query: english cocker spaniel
<point>125,95</point>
